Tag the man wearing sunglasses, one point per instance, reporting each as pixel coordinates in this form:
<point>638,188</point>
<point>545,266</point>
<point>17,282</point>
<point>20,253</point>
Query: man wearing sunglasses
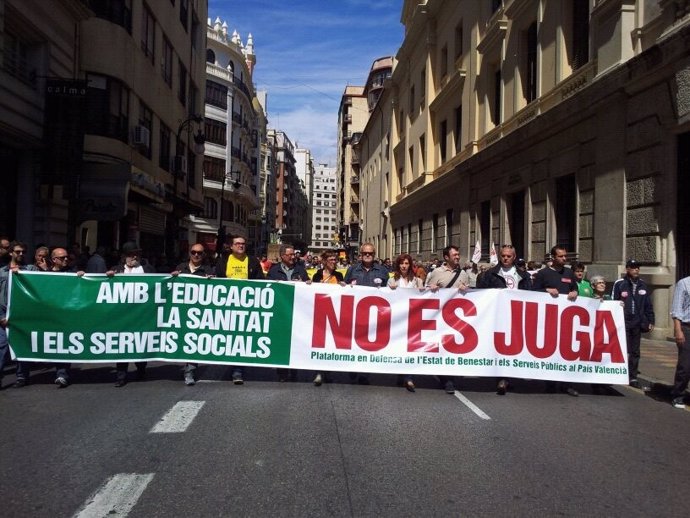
<point>17,262</point>
<point>238,265</point>
<point>195,266</point>
<point>366,273</point>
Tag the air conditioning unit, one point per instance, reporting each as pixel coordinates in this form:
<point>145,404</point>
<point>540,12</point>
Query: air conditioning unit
<point>180,165</point>
<point>142,136</point>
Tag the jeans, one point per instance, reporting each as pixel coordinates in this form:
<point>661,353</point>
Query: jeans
<point>682,376</point>
<point>633,335</point>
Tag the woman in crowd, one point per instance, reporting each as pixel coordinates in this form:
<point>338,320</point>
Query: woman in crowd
<point>329,275</point>
<point>598,283</point>
<point>404,277</point>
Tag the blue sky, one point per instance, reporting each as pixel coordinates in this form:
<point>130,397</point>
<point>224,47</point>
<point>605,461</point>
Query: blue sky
<point>307,52</point>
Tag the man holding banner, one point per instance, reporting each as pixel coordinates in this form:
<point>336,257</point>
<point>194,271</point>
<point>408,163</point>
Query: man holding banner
<point>505,276</point>
<point>556,280</point>
<point>448,275</point>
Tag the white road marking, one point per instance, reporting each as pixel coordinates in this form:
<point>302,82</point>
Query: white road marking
<point>178,417</point>
<point>471,405</point>
<point>116,497</point>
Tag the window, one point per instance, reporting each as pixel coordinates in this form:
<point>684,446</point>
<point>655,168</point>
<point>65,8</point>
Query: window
<point>193,99</point>
<point>566,211</point>
<point>115,11</point>
<point>164,151</point>
<point>458,40</point>
<point>184,13</point>
<point>442,140</point>
<point>496,105</point>
<point>419,236</point>
<point>107,113</point>
<point>580,34</point>
<point>215,131</point>
<point>485,224</point>
<point>17,58</point>
<point>530,79</point>
<point>210,208</point>
<point>495,5</point>
<point>422,80</point>
<point>146,121</point>
<point>449,227</point>
<point>148,33</point>
<point>182,87</point>
<point>434,234</point>
<point>167,61</point>
<point>458,128</point>
<point>210,56</point>
<point>422,154</point>
<point>214,168</point>
<point>217,94</point>
<point>412,105</point>
<point>444,61</point>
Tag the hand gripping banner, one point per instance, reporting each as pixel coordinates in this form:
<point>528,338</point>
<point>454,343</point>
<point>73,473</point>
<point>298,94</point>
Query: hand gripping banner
<point>501,333</point>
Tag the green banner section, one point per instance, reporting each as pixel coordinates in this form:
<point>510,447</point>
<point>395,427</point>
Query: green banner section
<point>63,317</point>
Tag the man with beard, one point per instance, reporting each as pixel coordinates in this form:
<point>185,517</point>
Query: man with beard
<point>17,253</point>
<point>130,265</point>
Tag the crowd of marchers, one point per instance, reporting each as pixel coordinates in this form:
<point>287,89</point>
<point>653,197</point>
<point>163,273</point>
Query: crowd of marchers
<point>554,277</point>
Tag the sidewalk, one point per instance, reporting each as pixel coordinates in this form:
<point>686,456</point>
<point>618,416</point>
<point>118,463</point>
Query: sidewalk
<point>657,362</point>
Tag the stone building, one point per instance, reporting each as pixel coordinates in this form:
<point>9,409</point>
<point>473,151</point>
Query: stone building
<point>536,123</point>
<point>100,100</point>
<point>234,126</point>
<point>324,211</point>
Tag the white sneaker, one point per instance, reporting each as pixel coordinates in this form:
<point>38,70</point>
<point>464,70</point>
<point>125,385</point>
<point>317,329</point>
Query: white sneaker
<point>61,382</point>
<point>189,379</point>
<point>678,403</point>
<point>318,380</point>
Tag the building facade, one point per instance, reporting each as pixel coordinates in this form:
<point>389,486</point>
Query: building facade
<point>234,127</point>
<point>324,234</point>
<point>536,123</point>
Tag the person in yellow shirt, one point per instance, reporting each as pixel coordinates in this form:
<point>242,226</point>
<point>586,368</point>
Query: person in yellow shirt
<point>238,265</point>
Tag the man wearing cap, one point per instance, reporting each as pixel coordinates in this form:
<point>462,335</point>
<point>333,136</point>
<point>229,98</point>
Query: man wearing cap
<point>238,265</point>
<point>130,265</point>
<point>638,313</point>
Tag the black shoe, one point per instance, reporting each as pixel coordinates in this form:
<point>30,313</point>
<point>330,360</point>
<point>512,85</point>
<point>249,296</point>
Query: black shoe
<point>449,387</point>
<point>20,383</point>
<point>572,392</point>
<point>141,374</point>
<point>634,383</point>
<point>502,388</point>
<point>120,383</point>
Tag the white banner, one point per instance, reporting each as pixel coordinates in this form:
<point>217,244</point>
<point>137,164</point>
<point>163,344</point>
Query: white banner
<point>500,333</point>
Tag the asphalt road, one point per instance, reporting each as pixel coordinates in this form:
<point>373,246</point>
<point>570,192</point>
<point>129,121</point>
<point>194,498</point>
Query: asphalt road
<point>292,449</point>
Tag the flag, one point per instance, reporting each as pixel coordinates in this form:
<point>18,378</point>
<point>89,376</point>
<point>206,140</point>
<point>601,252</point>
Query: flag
<point>493,260</point>
<point>477,255</point>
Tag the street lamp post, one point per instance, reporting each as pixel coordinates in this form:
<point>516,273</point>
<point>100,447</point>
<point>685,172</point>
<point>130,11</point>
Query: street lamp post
<point>179,171</point>
<point>235,177</point>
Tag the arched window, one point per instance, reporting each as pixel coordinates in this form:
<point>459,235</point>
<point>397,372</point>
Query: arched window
<point>210,56</point>
<point>231,66</point>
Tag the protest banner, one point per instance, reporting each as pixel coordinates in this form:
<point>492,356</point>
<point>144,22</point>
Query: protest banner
<point>502,333</point>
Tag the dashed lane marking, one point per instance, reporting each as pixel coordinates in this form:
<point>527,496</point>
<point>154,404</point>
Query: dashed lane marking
<point>116,497</point>
<point>471,405</point>
<point>178,417</point>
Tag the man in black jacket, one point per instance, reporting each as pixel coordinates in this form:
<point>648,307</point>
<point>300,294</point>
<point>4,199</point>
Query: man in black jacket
<point>238,265</point>
<point>637,311</point>
<point>505,275</point>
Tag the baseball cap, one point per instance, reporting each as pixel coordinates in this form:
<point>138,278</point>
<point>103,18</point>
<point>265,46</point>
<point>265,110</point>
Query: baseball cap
<point>631,263</point>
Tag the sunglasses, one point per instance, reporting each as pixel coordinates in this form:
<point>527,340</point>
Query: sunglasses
<point>61,257</point>
<point>367,253</point>
<point>197,252</point>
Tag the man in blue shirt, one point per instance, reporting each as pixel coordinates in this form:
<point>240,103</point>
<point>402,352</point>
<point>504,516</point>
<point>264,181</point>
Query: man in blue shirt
<point>367,272</point>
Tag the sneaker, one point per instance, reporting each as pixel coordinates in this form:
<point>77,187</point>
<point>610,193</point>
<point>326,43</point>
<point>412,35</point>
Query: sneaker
<point>20,383</point>
<point>678,402</point>
<point>318,380</point>
<point>409,385</point>
<point>120,383</point>
<point>61,382</point>
<point>449,387</point>
<point>189,379</point>
<point>572,392</point>
<point>237,379</point>
<point>634,383</point>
